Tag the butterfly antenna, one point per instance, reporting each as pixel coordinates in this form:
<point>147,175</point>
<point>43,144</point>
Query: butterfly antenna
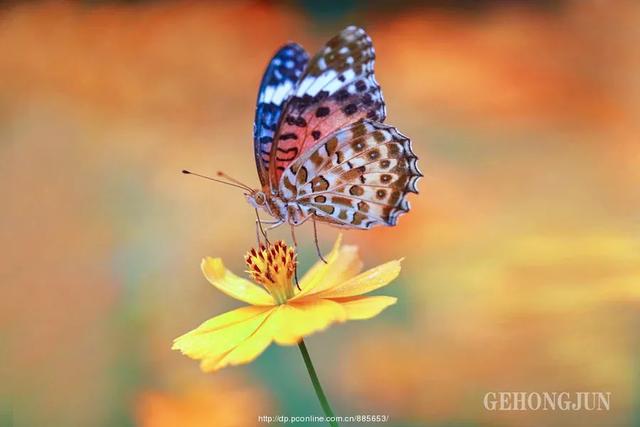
<point>233,184</point>
<point>235,181</point>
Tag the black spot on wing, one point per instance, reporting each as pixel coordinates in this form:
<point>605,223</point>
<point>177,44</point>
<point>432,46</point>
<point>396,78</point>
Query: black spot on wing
<point>350,109</point>
<point>322,111</point>
<point>342,95</point>
<point>286,136</point>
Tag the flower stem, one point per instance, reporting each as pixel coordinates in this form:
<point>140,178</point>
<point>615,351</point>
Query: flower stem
<point>316,383</point>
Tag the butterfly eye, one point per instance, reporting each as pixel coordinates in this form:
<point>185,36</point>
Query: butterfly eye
<point>260,198</point>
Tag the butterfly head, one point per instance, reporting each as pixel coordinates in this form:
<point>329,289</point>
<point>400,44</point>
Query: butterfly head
<point>257,199</point>
<point>271,204</point>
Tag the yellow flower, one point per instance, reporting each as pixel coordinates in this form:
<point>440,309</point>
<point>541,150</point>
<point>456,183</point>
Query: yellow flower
<point>279,311</point>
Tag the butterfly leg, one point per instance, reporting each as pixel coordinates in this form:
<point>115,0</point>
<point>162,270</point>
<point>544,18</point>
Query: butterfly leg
<point>262,230</point>
<point>258,233</point>
<point>315,237</point>
<point>295,275</point>
<point>272,224</point>
<point>293,236</point>
<point>295,245</point>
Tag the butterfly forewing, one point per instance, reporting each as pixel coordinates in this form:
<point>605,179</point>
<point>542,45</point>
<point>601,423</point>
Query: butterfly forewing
<point>337,88</point>
<point>278,83</point>
<point>357,177</point>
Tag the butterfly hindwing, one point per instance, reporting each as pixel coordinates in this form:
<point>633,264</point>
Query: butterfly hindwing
<point>338,87</point>
<point>357,177</point>
<point>278,83</point>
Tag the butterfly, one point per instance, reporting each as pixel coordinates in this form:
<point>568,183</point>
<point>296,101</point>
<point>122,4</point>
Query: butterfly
<point>321,148</point>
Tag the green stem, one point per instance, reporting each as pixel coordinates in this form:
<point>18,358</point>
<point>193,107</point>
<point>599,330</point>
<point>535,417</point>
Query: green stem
<point>316,383</point>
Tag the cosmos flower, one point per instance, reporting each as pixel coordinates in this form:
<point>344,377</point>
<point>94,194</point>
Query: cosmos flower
<point>281,310</point>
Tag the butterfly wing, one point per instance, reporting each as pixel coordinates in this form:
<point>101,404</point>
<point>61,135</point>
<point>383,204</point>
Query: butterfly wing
<point>278,82</point>
<point>338,87</point>
<point>358,177</point>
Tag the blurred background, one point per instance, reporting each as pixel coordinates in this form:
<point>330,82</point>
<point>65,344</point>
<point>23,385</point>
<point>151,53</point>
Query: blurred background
<point>522,268</point>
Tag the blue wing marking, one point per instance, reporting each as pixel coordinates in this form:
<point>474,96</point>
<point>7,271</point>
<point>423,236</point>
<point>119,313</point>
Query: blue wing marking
<point>278,83</point>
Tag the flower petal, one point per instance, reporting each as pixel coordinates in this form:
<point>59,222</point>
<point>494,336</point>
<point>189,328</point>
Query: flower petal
<point>361,308</point>
<point>232,285</point>
<point>294,321</point>
<point>342,263</point>
<point>246,351</point>
<point>286,324</point>
<point>239,336</point>
<point>368,281</point>
<point>222,333</point>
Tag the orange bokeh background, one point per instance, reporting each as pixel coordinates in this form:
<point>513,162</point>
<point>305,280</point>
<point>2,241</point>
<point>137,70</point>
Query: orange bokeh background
<point>522,267</point>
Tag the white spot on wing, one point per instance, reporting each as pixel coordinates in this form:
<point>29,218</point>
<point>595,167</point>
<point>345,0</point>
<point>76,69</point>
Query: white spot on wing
<point>322,81</point>
<point>302,89</point>
<point>267,94</point>
<point>281,92</point>
<point>349,75</point>
<point>333,86</point>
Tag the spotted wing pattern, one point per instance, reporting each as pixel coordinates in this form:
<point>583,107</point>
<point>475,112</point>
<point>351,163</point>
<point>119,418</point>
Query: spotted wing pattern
<point>278,82</point>
<point>337,88</point>
<point>358,177</point>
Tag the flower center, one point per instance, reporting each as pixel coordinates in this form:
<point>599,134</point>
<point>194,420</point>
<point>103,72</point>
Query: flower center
<point>273,267</point>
